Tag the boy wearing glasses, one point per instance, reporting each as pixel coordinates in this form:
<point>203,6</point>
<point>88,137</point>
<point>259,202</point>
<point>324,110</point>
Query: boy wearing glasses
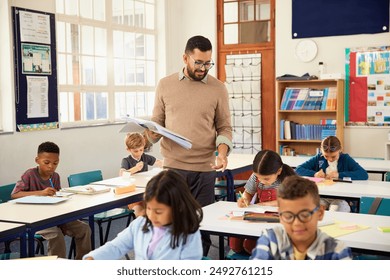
<point>299,238</point>
<point>332,163</point>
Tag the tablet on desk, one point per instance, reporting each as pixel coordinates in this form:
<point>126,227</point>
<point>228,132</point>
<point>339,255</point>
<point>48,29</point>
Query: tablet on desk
<point>35,199</point>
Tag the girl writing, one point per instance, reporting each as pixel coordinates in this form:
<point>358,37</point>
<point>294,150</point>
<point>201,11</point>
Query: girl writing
<point>268,173</point>
<point>169,229</point>
<point>332,163</point>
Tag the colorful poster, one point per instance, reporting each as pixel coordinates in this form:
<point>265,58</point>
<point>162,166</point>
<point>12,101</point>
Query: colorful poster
<point>368,86</point>
<point>36,59</point>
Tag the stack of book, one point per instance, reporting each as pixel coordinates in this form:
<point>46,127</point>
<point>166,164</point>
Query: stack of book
<point>290,130</point>
<point>309,99</point>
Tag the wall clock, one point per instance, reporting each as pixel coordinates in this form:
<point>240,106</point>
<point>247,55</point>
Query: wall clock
<point>306,50</point>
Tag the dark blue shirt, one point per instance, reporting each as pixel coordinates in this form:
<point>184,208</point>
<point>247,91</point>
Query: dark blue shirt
<point>346,167</point>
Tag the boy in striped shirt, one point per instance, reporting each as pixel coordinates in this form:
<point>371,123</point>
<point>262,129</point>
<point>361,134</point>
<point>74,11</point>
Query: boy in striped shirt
<point>299,237</point>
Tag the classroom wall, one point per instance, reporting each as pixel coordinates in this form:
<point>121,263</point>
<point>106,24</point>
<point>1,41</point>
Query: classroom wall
<point>358,141</point>
<point>96,147</point>
<point>102,147</point>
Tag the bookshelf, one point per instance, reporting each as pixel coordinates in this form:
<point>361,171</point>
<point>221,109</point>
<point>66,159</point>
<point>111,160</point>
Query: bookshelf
<point>305,118</point>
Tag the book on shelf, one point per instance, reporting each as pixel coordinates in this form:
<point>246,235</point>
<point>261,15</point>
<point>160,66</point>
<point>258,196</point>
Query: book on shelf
<point>302,95</point>
<point>287,130</point>
<point>292,98</point>
<point>331,103</point>
<point>309,99</point>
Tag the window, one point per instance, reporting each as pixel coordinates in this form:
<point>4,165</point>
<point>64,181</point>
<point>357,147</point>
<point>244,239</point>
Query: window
<point>246,21</point>
<point>106,52</point>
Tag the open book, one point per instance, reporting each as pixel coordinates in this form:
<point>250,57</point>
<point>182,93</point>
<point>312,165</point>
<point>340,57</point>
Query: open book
<point>139,125</point>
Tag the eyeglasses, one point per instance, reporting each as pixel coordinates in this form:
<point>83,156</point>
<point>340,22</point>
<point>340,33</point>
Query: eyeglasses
<point>198,64</point>
<point>330,148</point>
<point>304,216</point>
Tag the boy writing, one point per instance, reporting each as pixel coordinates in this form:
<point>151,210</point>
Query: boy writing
<point>137,161</point>
<point>299,238</point>
<point>43,180</point>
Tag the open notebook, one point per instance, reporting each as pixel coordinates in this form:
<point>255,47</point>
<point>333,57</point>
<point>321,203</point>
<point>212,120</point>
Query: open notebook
<point>35,199</point>
<point>87,189</point>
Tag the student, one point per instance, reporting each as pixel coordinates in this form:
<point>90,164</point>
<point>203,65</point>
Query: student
<point>268,173</point>
<point>169,230</point>
<point>332,163</point>
<point>299,237</point>
<point>44,181</point>
<point>137,161</point>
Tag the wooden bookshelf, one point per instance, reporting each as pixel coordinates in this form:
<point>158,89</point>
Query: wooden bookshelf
<point>308,147</point>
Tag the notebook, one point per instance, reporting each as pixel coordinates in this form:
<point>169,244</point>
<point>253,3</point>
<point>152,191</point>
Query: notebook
<point>87,189</point>
<point>269,217</point>
<point>35,199</point>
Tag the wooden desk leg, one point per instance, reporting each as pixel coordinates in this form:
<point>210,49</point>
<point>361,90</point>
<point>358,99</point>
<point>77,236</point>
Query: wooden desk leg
<point>92,226</point>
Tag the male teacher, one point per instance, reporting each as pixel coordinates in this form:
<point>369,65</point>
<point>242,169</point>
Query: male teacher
<point>195,105</point>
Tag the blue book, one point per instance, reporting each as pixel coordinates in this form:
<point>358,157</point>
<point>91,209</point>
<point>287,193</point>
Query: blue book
<point>324,99</point>
<point>285,98</point>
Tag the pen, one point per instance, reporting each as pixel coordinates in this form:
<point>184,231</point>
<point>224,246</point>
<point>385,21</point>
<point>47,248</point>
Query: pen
<point>51,183</point>
<point>241,196</point>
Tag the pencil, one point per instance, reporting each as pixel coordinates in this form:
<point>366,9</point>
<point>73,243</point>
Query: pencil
<point>241,196</point>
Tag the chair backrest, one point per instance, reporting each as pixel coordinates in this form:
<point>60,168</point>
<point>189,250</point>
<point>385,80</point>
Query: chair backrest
<point>383,208</point>
<point>84,178</point>
<point>5,192</point>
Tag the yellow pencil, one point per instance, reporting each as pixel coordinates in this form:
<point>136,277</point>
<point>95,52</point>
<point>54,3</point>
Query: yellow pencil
<point>246,203</point>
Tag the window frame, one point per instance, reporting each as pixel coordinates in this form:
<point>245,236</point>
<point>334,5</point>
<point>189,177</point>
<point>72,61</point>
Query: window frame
<point>111,89</point>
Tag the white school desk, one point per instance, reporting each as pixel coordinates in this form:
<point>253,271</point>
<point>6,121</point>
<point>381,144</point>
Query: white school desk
<point>356,189</point>
<point>239,163</point>
<point>370,165</point>
<point>369,240</point>
<point>10,231</point>
<point>41,216</point>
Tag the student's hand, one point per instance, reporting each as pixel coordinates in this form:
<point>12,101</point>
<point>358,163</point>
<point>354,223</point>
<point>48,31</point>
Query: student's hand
<point>332,175</point>
<point>320,174</point>
<point>242,202</point>
<point>49,192</point>
<point>89,259</point>
<point>136,168</point>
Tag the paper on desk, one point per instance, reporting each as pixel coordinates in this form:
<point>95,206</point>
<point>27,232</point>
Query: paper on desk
<point>35,199</point>
<point>139,125</point>
<point>340,228</point>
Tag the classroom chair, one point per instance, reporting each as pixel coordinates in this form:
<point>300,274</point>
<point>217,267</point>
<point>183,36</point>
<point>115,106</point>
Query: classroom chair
<point>5,195</point>
<point>85,178</point>
<point>373,206</point>
<point>221,191</point>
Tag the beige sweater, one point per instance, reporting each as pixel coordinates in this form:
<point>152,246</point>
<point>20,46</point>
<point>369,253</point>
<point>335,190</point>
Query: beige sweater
<point>198,111</point>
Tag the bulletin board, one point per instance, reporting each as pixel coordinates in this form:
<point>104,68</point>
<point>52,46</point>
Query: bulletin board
<point>243,82</point>
<point>36,98</point>
<point>317,18</point>
<point>367,86</point>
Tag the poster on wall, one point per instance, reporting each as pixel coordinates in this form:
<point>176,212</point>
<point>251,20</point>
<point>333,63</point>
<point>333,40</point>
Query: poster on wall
<point>368,86</point>
<point>36,59</point>
<point>34,27</point>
